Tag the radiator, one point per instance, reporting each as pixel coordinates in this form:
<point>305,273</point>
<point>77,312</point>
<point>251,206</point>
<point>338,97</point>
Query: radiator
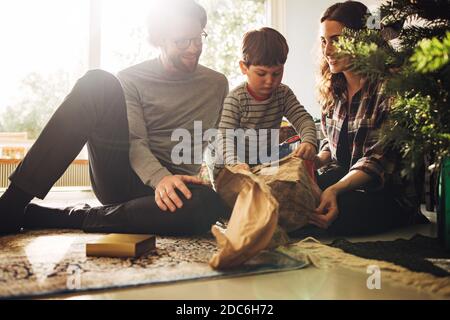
<point>77,175</point>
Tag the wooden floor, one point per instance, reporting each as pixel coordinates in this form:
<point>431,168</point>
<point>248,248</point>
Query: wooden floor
<point>308,283</point>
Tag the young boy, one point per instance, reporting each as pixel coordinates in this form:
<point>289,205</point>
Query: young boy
<point>262,101</point>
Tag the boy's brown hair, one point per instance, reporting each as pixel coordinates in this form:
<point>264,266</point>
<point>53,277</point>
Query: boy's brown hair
<point>264,47</point>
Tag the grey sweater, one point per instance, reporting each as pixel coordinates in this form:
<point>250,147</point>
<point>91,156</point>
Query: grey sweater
<point>157,104</point>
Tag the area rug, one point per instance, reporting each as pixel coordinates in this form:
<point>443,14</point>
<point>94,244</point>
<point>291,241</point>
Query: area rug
<point>420,253</point>
<point>42,263</point>
<point>327,257</point>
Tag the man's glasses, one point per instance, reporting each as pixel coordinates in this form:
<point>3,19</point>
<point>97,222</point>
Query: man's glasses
<point>183,44</point>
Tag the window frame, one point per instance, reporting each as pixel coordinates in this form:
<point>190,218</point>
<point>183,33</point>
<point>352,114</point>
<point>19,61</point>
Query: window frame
<point>275,14</point>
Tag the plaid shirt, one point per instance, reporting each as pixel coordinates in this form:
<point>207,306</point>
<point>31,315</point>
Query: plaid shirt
<point>367,115</point>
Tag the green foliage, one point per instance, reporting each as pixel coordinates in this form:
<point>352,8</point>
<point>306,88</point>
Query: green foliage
<point>41,95</point>
<point>417,129</point>
<point>228,20</point>
<point>434,11</point>
<point>370,55</point>
<point>416,70</point>
<point>431,54</point>
<point>411,35</point>
<point>422,121</point>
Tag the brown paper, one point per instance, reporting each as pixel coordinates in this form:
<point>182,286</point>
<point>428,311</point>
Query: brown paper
<point>253,220</point>
<point>262,199</point>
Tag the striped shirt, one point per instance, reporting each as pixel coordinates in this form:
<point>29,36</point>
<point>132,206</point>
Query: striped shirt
<point>242,111</point>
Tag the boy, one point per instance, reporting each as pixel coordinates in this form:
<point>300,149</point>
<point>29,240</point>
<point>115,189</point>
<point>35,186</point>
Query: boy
<point>262,101</point>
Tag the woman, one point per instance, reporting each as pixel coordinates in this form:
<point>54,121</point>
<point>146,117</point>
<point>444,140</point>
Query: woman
<point>361,195</point>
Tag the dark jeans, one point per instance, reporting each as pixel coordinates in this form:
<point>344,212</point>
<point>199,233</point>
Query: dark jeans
<point>363,213</point>
<point>142,215</point>
<point>95,113</point>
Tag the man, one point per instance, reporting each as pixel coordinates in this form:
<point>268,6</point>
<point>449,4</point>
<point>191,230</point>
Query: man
<point>127,126</point>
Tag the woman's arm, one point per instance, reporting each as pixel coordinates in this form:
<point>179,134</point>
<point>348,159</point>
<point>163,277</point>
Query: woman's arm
<point>328,209</point>
<point>351,181</point>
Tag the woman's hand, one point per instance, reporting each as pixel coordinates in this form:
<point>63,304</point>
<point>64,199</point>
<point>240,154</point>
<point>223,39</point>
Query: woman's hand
<point>166,196</point>
<point>327,211</point>
<point>242,166</point>
<point>305,151</point>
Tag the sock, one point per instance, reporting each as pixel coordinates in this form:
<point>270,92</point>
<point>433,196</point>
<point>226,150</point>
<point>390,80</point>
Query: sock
<point>39,217</point>
<point>12,205</point>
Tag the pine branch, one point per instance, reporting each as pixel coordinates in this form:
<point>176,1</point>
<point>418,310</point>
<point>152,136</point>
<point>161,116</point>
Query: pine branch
<point>431,54</point>
<point>416,131</point>
<point>410,36</point>
<point>371,56</point>
<point>402,10</point>
<point>416,73</point>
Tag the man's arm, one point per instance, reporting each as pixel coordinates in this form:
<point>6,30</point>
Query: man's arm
<point>142,160</point>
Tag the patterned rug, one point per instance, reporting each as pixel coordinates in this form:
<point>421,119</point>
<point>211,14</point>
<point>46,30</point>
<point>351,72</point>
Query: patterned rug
<point>41,263</point>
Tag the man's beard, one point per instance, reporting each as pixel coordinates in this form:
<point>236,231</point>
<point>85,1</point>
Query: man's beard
<point>183,66</point>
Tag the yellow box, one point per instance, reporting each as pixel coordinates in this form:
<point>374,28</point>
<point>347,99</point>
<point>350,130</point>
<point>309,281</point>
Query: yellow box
<point>121,246</point>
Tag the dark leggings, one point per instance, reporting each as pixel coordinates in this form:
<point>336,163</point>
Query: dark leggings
<point>95,113</point>
<point>363,213</point>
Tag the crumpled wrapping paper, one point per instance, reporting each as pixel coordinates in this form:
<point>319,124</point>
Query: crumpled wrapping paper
<point>266,201</point>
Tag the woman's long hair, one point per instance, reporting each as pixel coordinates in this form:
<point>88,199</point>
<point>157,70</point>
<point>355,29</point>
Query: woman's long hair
<point>352,15</point>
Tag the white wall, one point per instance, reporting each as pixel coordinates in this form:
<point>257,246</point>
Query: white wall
<point>302,32</point>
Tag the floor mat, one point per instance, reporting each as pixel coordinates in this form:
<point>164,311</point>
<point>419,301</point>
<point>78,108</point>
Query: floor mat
<point>327,257</point>
<point>40,263</point>
<point>419,254</point>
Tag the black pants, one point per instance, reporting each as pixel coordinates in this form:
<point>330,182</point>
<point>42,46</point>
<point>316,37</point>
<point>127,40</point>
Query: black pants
<point>95,113</point>
<point>363,213</point>
<point>142,215</point>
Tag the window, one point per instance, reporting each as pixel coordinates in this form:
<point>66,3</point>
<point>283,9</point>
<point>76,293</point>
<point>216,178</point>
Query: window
<point>44,45</point>
<point>47,45</point>
<point>124,33</point>
<point>228,20</point>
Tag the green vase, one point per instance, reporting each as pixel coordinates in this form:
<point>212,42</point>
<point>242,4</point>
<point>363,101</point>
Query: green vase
<point>443,209</point>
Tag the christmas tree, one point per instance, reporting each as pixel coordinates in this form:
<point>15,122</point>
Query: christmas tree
<point>410,53</point>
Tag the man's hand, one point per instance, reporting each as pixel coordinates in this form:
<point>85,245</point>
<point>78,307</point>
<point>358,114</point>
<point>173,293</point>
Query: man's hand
<point>305,151</point>
<point>165,196</point>
<point>327,211</point>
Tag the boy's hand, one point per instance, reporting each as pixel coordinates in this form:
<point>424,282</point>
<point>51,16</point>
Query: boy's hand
<point>305,151</point>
